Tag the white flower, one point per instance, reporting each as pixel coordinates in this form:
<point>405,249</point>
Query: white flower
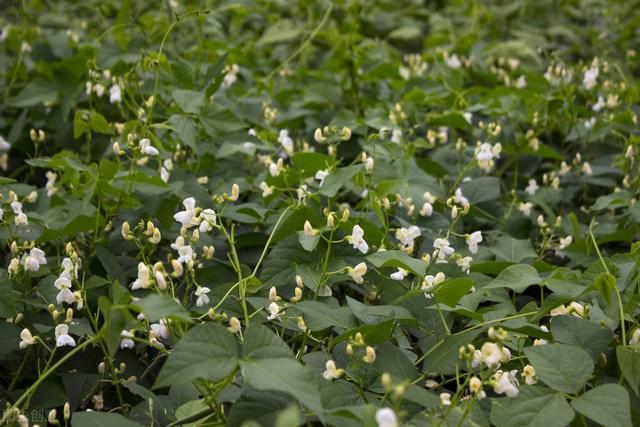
<point>586,168</point>
<point>453,61</point>
<point>525,208</point>
<point>320,176</point>
<point>427,209</point>
<point>147,148</point>
<point>590,77</point>
<point>285,140</point>
<point>185,254</point>
<point>396,136</point>
<point>442,248</point>
<point>164,174</point>
<point>464,263</point>
<point>125,339</point>
<point>368,164</point>
<point>62,336</point>
<point>144,280</point>
<point>475,386</point>
<point>63,284</point>
<point>472,241</point>
<point>201,293</point>
<point>308,229</point>
<point>356,239</point>
<point>532,187</point>
<point>529,375</point>
<point>114,94</point>
<point>231,77</point>
<point>599,105</point>
<point>564,242</point>
<point>26,339</point>
<point>187,217</point>
<point>485,155</point>
<point>69,270</point>
<point>50,185</point>
<point>385,417</point>
<point>492,354</point>
<point>521,82</point>
<point>635,337</point>
<point>445,399</point>
<point>406,236</point>
<point>459,198</point>
<point>331,372</point>
<point>34,260</point>
<point>207,220</point>
<point>4,145</point>
<point>266,190</point>
<point>158,331</point>
<point>357,272</point>
<point>430,281</point>
<point>588,124</point>
<point>400,274</point>
<point>274,311</point>
<point>506,383</point>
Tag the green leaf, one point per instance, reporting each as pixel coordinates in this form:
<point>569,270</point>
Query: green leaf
<point>517,277</point>
<point>283,30</point>
<point>335,180</point>
<point>629,362</point>
<point>534,407</point>
<point>451,291</point>
<point>319,316</point>
<point>400,259</point>
<point>188,100</point>
<point>100,419</point>
<point>156,307</point>
<point>562,367</point>
<point>405,33</point>
<point>285,375</point>
<point>443,357</point>
<point>607,405</point>
<point>582,333</point>
<point>513,250</point>
<point>483,189</point>
<point>261,343</point>
<point>99,124</point>
<point>309,243</point>
<point>207,351</point>
<point>310,163</point>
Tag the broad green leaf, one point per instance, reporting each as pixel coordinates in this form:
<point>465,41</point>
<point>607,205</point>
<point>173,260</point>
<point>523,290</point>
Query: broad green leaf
<point>629,363</point>
<point>451,291</point>
<point>562,367</point>
<point>188,100</point>
<point>607,405</point>
<point>395,258</point>
<point>310,163</point>
<point>582,333</point>
<point>309,243</point>
<point>483,189</point>
<point>207,351</point>
<point>337,179</point>
<point>100,419</point>
<point>516,277</point>
<point>285,375</point>
<point>157,306</point>
<point>283,30</point>
<point>261,343</point>
<point>513,250</point>
<point>535,406</point>
<point>319,316</point>
<point>443,357</point>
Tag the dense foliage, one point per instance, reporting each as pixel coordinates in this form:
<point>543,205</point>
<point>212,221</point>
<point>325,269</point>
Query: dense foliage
<point>349,213</point>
